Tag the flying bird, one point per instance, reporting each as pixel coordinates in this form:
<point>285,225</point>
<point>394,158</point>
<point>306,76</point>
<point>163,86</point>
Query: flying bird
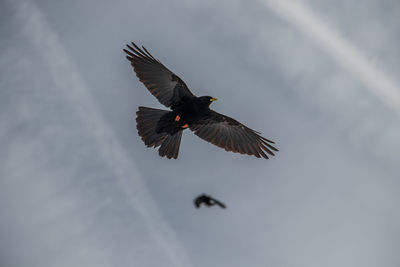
<point>163,128</point>
<point>208,201</point>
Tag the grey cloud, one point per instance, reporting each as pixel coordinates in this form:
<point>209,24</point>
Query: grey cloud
<point>78,186</point>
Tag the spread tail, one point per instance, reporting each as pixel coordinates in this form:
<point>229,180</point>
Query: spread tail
<point>147,120</point>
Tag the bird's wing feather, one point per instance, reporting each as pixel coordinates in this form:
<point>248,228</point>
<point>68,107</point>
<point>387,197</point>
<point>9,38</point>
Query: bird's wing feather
<point>167,87</point>
<point>231,135</point>
<point>222,205</point>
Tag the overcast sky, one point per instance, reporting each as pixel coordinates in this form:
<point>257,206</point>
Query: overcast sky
<point>79,188</point>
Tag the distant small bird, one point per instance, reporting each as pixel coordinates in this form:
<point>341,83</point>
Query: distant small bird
<point>164,128</point>
<point>208,201</point>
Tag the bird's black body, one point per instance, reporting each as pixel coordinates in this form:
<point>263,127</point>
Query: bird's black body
<point>162,128</point>
<point>190,111</point>
<point>194,109</point>
<point>208,201</point>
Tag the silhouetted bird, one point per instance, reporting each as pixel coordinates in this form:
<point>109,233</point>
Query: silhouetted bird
<point>208,201</point>
<point>164,128</point>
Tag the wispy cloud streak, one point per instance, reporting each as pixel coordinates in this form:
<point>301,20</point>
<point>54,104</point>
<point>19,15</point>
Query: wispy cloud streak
<point>72,87</point>
<point>340,49</point>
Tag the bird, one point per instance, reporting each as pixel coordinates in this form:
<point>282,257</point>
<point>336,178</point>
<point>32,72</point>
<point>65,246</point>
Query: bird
<point>208,201</point>
<point>163,128</point>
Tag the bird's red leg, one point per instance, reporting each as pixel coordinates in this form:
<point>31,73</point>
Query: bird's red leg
<point>177,118</point>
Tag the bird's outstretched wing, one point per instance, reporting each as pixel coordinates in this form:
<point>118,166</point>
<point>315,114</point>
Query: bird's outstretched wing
<point>231,135</point>
<point>219,203</point>
<point>167,87</point>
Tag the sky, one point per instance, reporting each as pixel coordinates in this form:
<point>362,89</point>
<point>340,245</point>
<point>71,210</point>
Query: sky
<point>79,188</point>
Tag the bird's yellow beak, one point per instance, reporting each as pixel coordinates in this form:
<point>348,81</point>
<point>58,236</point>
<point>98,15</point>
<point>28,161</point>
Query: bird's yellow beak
<point>213,99</point>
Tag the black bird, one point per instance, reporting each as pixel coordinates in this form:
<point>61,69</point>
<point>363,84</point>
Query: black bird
<point>208,201</point>
<point>164,128</point>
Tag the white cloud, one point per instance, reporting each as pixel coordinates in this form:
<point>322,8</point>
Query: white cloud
<point>318,202</point>
<point>69,86</point>
<point>341,50</point>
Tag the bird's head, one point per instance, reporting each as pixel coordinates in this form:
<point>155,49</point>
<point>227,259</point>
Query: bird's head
<point>207,99</point>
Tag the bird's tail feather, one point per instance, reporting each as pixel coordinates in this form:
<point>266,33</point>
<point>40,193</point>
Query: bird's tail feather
<point>170,146</point>
<point>147,121</point>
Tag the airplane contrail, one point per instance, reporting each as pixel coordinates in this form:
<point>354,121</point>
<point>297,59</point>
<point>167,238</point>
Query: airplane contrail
<point>70,84</point>
<point>340,49</point>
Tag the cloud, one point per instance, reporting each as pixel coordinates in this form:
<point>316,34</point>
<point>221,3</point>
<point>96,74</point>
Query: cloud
<point>340,50</point>
<point>71,194</point>
<point>70,87</point>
